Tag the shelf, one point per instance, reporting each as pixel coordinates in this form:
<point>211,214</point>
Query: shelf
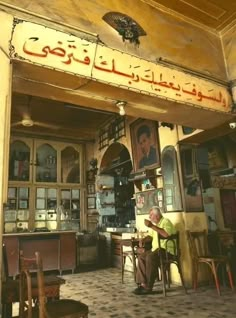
<point>103,205</point>
<point>114,166</point>
<point>138,177</point>
<point>104,188</point>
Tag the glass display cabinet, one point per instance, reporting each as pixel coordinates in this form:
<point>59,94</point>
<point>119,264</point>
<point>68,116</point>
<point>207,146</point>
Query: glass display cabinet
<point>20,160</point>
<point>46,163</point>
<point>16,216</point>
<point>69,209</point>
<point>44,185</point>
<point>70,167</point>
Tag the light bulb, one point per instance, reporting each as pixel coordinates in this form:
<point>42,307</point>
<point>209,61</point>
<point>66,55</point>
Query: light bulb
<point>121,104</point>
<point>122,110</point>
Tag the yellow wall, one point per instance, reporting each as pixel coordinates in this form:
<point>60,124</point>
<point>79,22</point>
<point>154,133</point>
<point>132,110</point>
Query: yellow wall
<point>229,45</point>
<point>167,36</point>
<point>182,220</point>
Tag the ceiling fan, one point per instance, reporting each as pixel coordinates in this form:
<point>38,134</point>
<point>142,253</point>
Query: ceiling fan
<point>27,121</point>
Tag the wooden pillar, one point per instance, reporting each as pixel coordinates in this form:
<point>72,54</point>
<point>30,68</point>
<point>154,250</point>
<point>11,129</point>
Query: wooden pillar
<point>5,112</point>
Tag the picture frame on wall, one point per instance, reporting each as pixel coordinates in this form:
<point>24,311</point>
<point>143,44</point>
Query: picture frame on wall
<point>191,180</point>
<point>91,203</point>
<point>90,175</point>
<point>145,144</point>
<point>90,188</point>
<point>144,200</point>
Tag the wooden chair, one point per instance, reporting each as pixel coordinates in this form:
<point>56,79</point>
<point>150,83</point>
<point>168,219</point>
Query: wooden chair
<point>200,254</point>
<point>128,249</point>
<point>166,259</point>
<point>52,282</point>
<point>10,287</point>
<point>63,308</point>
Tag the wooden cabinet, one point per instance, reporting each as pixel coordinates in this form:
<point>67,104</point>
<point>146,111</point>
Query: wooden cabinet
<point>45,183</point>
<point>58,249</point>
<point>21,160</point>
<point>67,251</point>
<point>41,161</point>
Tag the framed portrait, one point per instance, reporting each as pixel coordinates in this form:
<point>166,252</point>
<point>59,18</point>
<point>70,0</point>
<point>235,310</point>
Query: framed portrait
<point>191,180</point>
<point>91,175</point>
<point>145,144</point>
<point>90,188</point>
<point>91,203</point>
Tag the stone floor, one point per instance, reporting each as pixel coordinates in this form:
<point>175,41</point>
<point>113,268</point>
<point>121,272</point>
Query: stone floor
<point>106,297</point>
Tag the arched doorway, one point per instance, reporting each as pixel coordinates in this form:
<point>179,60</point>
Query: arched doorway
<point>116,206</point>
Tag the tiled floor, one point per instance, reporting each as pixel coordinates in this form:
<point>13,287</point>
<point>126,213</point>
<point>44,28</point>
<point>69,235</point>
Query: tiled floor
<point>106,297</point>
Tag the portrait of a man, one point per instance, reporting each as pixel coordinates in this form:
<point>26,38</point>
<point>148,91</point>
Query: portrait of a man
<point>147,149</point>
<point>145,144</point>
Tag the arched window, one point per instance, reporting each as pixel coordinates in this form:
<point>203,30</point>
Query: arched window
<point>172,194</point>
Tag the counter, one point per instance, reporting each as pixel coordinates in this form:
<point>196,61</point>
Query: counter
<point>121,229</point>
<point>57,248</point>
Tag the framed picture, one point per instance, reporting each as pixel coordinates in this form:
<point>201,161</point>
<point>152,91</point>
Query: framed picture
<point>145,144</point>
<point>90,188</point>
<point>146,199</point>
<point>91,203</point>
<point>191,180</point>
<point>91,175</point>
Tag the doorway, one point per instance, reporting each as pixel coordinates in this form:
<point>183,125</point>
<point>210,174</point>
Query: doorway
<point>116,163</point>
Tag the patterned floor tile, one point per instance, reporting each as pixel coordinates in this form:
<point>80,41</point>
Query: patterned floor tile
<point>107,297</point>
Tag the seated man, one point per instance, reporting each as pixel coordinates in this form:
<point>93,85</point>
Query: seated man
<point>149,260</point>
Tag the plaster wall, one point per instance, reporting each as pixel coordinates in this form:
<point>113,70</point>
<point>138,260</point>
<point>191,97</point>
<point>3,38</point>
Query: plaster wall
<point>229,45</point>
<point>183,221</point>
<point>6,29</point>
<point>167,37</point>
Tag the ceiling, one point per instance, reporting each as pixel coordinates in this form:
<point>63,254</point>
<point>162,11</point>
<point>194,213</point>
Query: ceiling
<point>214,14</point>
<point>81,124</point>
<point>54,118</point>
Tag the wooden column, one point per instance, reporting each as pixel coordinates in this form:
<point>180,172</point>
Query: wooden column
<point>5,112</point>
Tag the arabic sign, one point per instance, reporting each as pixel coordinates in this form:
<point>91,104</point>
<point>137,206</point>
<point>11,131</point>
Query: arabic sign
<point>123,69</point>
<point>45,46</point>
<point>38,44</point>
